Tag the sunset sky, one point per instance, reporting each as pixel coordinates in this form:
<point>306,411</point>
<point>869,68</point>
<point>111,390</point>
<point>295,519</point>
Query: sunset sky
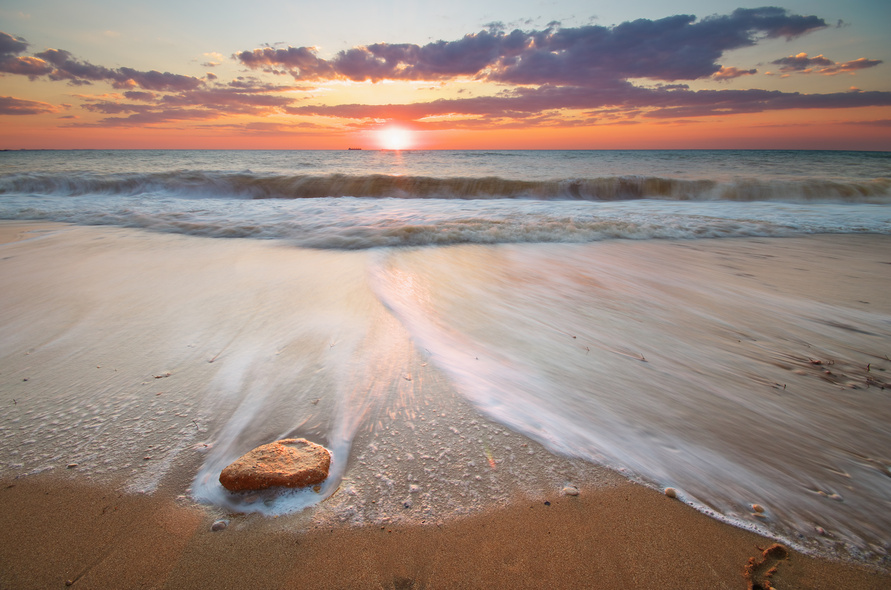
<point>524,74</point>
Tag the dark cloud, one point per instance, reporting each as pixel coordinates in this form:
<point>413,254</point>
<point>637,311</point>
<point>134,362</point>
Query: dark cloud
<point>58,64</point>
<point>673,48</point>
<point>801,62</point>
<point>10,45</point>
<point>12,63</point>
<point>142,118</point>
<point>25,66</point>
<point>138,95</point>
<point>822,65</point>
<point>302,61</point>
<point>526,103</point>
<point>858,64</point>
<point>154,80</point>
<point>253,84</point>
<point>217,102</point>
<point>875,123</point>
<point>116,108</point>
<point>20,106</point>
<point>230,100</point>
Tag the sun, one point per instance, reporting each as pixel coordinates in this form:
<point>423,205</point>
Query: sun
<point>395,138</point>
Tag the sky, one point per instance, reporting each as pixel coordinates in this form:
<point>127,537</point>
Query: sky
<point>398,74</point>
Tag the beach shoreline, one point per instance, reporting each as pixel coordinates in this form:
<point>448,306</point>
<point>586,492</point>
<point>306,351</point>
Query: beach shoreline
<point>118,510</point>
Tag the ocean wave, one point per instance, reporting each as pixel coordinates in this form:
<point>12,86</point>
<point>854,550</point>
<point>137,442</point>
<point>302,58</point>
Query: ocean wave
<point>354,224</point>
<point>248,185</point>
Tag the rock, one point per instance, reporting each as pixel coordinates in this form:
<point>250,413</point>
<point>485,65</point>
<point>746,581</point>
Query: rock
<point>290,463</point>
<point>758,508</point>
<point>671,492</point>
<point>570,491</point>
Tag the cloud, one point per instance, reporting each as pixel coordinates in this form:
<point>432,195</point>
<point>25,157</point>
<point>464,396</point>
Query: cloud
<point>215,59</point>
<point>200,104</point>
<point>138,95</point>
<point>20,106</point>
<point>143,118</point>
<point>58,64</point>
<point>10,45</point>
<point>669,49</point>
<point>660,103</point>
<point>819,64</point>
<point>851,66</point>
<point>301,61</point>
<point>551,76</point>
<point>729,73</point>
<point>801,63</point>
<point>12,63</point>
<point>874,123</point>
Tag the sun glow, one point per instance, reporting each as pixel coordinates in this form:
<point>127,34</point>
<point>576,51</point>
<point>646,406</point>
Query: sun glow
<point>395,138</point>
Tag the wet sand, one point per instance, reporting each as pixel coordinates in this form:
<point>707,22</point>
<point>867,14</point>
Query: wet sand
<point>55,530</point>
<point>88,526</point>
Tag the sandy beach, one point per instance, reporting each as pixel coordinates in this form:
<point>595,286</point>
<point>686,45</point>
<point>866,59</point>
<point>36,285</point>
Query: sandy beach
<point>132,363</point>
<point>56,530</point>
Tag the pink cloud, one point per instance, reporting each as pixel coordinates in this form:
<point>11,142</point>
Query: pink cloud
<point>19,106</point>
<point>819,64</point>
<point>729,73</point>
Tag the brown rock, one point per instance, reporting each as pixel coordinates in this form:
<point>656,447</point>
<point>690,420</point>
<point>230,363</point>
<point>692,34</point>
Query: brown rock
<point>290,463</point>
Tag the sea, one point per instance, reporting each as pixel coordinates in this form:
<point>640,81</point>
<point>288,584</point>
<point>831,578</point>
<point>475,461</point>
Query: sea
<point>365,199</point>
<point>515,275</point>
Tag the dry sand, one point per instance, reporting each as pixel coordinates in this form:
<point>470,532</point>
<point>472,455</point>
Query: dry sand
<point>60,528</point>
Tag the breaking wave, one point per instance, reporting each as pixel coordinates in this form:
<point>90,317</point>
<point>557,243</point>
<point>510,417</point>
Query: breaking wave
<point>249,185</point>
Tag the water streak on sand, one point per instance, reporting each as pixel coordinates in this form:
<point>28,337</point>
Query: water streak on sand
<point>739,372</point>
<point>733,404</point>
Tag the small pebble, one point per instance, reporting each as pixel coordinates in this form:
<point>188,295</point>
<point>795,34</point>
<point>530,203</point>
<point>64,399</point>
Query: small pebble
<point>72,465</point>
<point>571,491</point>
<point>757,508</point>
<point>671,492</point>
<point>219,525</point>
<point>821,531</point>
<point>547,503</point>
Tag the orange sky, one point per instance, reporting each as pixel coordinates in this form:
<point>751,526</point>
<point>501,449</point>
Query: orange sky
<point>742,78</point>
